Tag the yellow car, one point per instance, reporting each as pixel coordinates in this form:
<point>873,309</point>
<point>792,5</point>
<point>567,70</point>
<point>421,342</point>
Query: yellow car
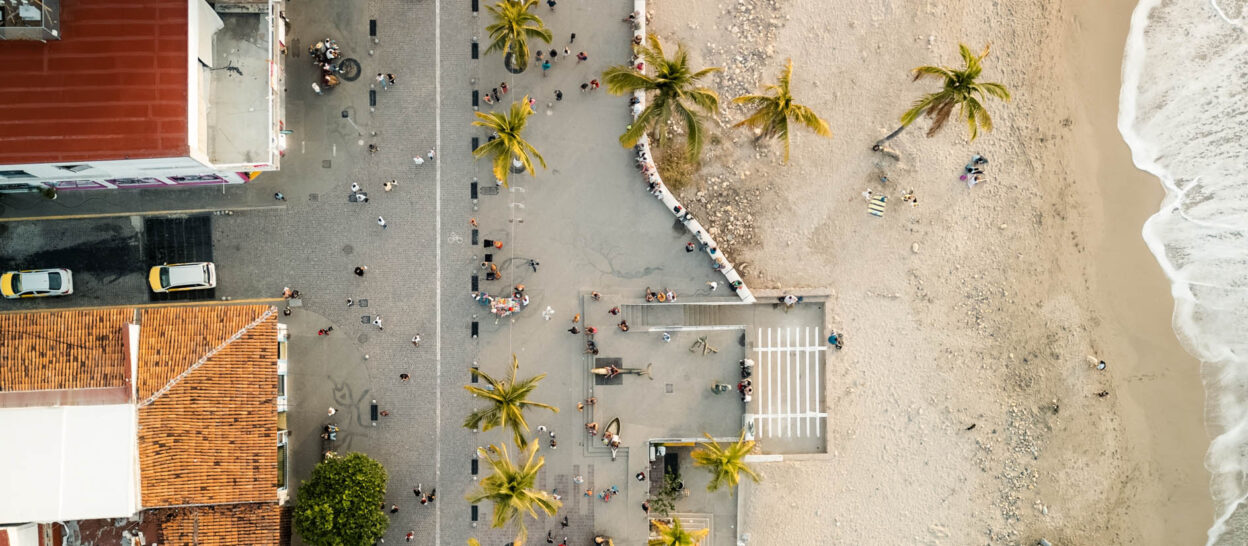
<point>36,283</point>
<point>178,277</point>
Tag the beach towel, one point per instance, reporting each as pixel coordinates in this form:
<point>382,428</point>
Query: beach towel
<point>875,205</point>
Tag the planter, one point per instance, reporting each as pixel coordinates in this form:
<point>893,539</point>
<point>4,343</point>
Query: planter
<point>509,62</point>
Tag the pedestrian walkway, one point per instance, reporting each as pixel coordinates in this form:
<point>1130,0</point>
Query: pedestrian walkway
<point>789,374</point>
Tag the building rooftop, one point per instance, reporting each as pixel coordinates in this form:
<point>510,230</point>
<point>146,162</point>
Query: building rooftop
<point>205,409</point>
<point>113,87</point>
<point>63,349</point>
<point>208,435</point>
<point>68,462</point>
<point>222,525</point>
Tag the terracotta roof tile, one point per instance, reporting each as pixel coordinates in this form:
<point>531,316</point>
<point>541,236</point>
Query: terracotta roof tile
<point>63,349</point>
<point>175,338</point>
<point>212,437</point>
<point>229,525</point>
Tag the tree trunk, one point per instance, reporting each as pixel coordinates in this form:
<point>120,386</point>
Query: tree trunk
<point>892,135</point>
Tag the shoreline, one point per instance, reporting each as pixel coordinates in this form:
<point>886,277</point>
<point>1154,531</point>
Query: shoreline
<point>969,319</point>
<point>1161,381</point>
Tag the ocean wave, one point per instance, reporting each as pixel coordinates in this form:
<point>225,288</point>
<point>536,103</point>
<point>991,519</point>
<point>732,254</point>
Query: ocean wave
<point>1183,110</point>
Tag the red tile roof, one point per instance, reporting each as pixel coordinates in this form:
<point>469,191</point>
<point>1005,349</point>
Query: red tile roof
<point>114,86</point>
<point>229,525</point>
<point>63,349</point>
<point>211,437</point>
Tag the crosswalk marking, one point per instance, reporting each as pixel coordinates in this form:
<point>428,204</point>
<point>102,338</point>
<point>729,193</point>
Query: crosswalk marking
<point>788,382</point>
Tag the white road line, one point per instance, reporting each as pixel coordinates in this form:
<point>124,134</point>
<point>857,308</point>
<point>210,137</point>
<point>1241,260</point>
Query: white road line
<point>437,230</point>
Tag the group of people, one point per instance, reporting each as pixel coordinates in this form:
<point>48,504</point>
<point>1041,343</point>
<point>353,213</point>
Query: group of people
<point>974,171</point>
<point>662,296</point>
<point>324,53</point>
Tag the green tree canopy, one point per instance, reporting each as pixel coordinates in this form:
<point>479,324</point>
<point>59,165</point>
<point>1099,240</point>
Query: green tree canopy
<point>775,111</point>
<point>676,535</point>
<point>675,94</point>
<point>512,488</point>
<point>960,90</point>
<point>340,505</point>
<point>726,463</point>
<point>513,27</point>
<point>508,399</point>
<point>510,145</point>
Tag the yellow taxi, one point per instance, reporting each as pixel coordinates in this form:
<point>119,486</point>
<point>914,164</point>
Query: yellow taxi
<point>36,283</point>
<point>178,277</point>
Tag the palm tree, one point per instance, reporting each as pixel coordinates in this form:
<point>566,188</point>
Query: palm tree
<point>508,400</point>
<point>775,111</point>
<point>726,463</point>
<point>960,89</point>
<point>513,27</point>
<point>675,94</point>
<point>509,146</point>
<point>511,488</point>
<point>676,535</point>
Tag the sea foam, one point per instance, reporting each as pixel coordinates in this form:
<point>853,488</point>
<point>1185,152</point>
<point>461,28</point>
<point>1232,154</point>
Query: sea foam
<point>1183,110</point>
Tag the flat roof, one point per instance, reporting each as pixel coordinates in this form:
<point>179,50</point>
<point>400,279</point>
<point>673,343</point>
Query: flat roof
<point>114,87</point>
<point>68,462</point>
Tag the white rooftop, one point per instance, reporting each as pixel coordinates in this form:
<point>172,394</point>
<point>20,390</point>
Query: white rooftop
<point>68,463</point>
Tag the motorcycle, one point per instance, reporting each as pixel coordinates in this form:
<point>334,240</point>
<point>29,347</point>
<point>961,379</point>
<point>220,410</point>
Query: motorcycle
<point>612,371</point>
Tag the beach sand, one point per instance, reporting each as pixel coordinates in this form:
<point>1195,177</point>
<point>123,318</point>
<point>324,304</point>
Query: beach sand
<point>977,307</point>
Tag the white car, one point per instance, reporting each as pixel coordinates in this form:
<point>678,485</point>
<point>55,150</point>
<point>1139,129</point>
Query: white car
<point>36,283</point>
<point>177,277</point>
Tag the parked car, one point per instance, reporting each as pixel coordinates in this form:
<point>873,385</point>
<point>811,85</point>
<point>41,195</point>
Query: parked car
<point>177,277</point>
<point>37,283</point>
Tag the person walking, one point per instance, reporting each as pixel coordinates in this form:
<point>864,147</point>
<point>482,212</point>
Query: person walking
<point>534,264</point>
<point>355,187</point>
<point>404,377</point>
<point>350,302</point>
<point>416,340</point>
<point>279,196</point>
<point>430,155</point>
<point>567,52</point>
<point>554,55</point>
<point>377,322</point>
<point>584,87</point>
<point>381,222</point>
<point>360,270</point>
<point>614,310</point>
<point>503,86</point>
<point>572,40</point>
<point>593,85</point>
<point>410,535</point>
<point>551,3</point>
<point>545,67</point>
<point>574,330</point>
<point>488,99</point>
<point>558,95</point>
<point>581,57</point>
<point>394,508</point>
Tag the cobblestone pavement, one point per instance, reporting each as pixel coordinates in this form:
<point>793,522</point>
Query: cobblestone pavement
<point>585,219</point>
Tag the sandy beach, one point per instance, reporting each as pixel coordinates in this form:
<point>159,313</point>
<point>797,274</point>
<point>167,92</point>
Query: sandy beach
<point>963,408</point>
